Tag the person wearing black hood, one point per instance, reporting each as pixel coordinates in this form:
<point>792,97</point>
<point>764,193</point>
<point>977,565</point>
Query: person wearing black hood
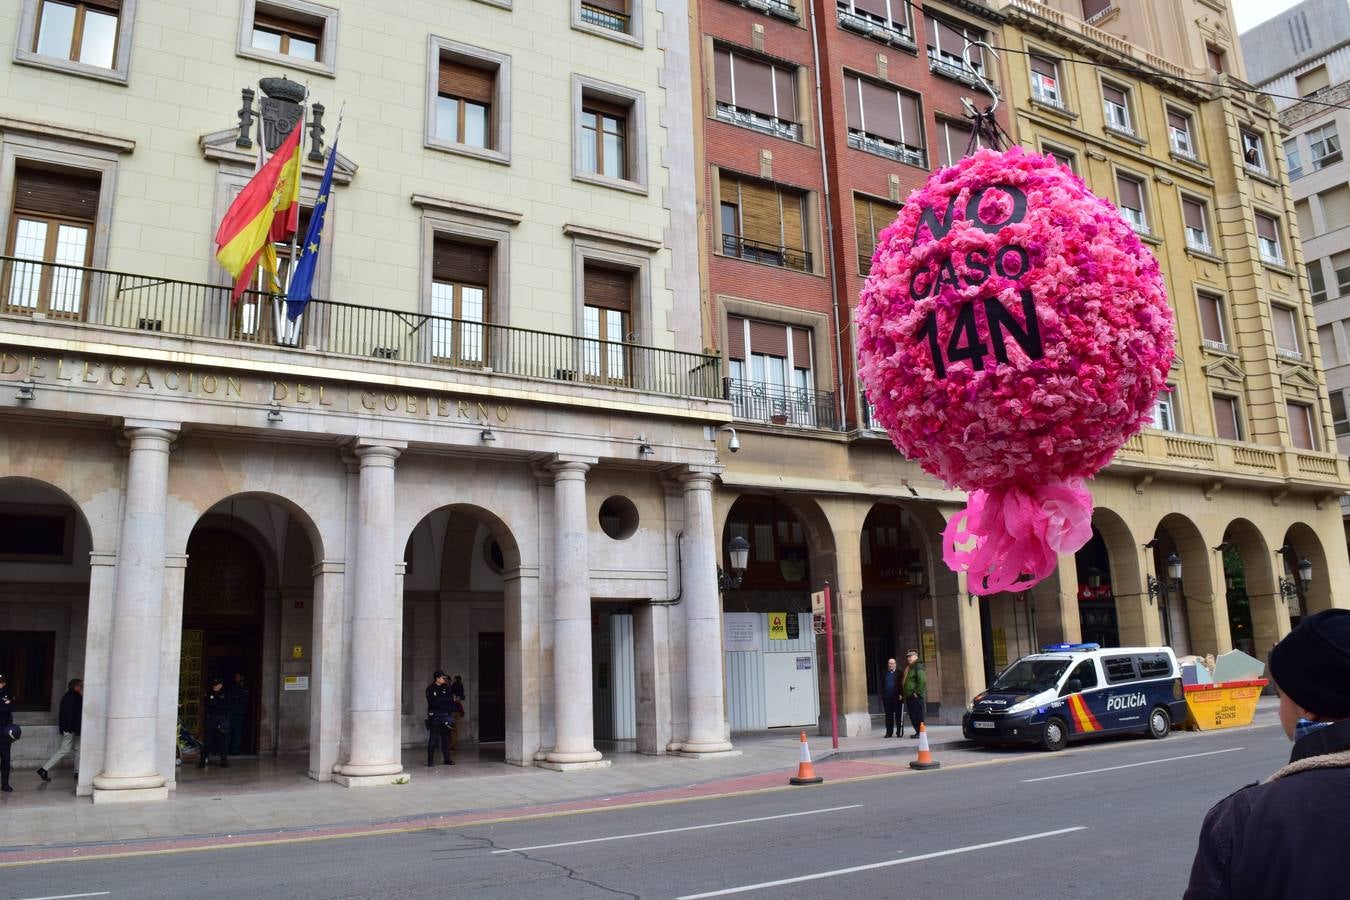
<point>1285,837</point>
<point>440,718</point>
<point>216,717</point>
<point>6,720</point>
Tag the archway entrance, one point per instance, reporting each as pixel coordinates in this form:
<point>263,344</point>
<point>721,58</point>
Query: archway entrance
<point>891,554</point>
<point>1096,601</point>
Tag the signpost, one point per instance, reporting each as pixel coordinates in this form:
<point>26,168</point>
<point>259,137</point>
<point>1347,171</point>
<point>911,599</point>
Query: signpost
<point>829,655</point>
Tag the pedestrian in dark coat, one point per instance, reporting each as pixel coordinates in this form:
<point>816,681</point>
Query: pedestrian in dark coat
<point>6,720</point>
<point>914,691</point>
<point>68,723</point>
<point>457,699</point>
<point>440,718</point>
<point>890,700</point>
<point>217,722</point>
<point>1285,837</point>
<point>238,695</point>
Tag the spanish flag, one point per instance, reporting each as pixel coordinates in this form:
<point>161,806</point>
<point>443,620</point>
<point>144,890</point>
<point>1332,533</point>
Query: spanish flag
<point>266,211</point>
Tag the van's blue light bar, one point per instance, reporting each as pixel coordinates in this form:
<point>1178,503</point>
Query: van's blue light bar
<point>1060,648</point>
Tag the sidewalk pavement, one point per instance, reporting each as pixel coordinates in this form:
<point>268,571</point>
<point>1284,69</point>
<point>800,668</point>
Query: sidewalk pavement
<point>274,795</point>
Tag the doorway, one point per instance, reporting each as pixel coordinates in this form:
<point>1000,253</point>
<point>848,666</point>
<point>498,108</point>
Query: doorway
<point>491,686</point>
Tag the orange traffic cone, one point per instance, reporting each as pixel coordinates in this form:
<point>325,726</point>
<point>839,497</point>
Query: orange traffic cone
<point>806,773</point>
<point>925,760</point>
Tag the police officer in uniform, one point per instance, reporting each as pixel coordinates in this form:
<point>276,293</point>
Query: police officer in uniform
<point>440,718</point>
<point>6,720</point>
<point>217,718</point>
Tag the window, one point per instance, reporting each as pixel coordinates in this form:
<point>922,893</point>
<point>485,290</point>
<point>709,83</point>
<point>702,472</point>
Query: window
<point>296,33</point>
<point>606,323</point>
<point>1317,283</point>
<point>763,222</point>
<point>1164,410</point>
<point>1335,205</point>
<point>1324,144</point>
<point>1213,330</point>
<point>1154,666</point>
<point>36,533</point>
<point>946,44</point>
<point>609,150</point>
<point>870,216</point>
<point>1285,321</point>
<point>1312,81</point>
<point>85,37</point>
<point>460,297</point>
<point>52,225</point>
<point>1253,151</point>
<point>1227,421</point>
<point>1268,238</point>
<point>1303,215</point>
<point>1179,134</point>
<point>1130,200</point>
<point>1301,433</point>
<point>469,101</point>
<point>953,139</point>
<point>1326,340</point>
<point>883,120</point>
<point>1340,265</point>
<point>1118,668</point>
<point>1095,9</point>
<point>616,19</point>
<point>1085,673</point>
<point>1196,218</point>
<point>756,94</point>
<point>1217,61</point>
<point>771,372</point>
<point>1063,157</point>
<point>891,14</point>
<point>1116,105</point>
<point>1293,159</point>
<point>1339,420</point>
<point>1045,81</point>
<point>26,658</point>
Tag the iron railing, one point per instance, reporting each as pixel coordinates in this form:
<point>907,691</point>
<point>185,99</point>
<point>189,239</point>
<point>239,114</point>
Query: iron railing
<point>860,140</point>
<point>770,254</point>
<point>604,18</point>
<point>195,310</point>
<point>747,118</point>
<point>781,405</point>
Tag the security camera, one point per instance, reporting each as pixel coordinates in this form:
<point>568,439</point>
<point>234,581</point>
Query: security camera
<point>735,443</point>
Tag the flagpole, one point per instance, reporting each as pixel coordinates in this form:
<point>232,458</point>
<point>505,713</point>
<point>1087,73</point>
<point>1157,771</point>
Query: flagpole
<point>284,326</point>
<point>321,207</point>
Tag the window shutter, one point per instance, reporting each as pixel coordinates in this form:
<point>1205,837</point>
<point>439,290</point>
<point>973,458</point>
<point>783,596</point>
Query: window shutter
<point>1265,227</point>
<point>760,218</point>
<point>467,82</point>
<point>1335,207</point>
<point>909,120</point>
<point>735,337</point>
<point>1225,417</point>
<point>875,7</point>
<point>615,6</point>
<point>722,74</point>
<point>70,195</point>
<point>1178,121</point>
<point>1043,66</point>
<point>882,111</point>
<point>1300,426</point>
<point>277,23</point>
<point>1092,7</point>
<point>852,105</point>
<point>1286,328</point>
<point>608,288</point>
<point>953,146</point>
<point>1194,214</point>
<point>801,348</point>
<point>794,232</point>
<point>1215,58</point>
<point>767,339</point>
<point>1113,95</point>
<point>1211,318</point>
<point>785,84</point>
<point>864,231</point>
<point>1130,193</point>
<point>754,84</point>
<point>112,6</point>
<point>461,263</point>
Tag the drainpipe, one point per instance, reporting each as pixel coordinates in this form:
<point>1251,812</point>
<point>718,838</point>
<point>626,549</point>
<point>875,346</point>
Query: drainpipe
<point>829,218</point>
<point>679,567</point>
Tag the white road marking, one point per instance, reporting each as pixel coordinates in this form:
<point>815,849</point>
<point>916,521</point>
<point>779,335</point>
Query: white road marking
<point>70,896</point>
<point>882,865</point>
<point>641,834</point>
<point>1131,765</point>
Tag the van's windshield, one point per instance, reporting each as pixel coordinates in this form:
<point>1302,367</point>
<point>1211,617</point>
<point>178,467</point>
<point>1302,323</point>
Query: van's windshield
<point>1030,676</point>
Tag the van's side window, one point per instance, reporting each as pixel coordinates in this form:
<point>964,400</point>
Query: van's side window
<point>1154,666</point>
<point>1118,668</point>
<point>1086,675</point>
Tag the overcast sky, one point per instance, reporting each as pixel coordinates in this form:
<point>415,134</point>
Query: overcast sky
<point>1254,12</point>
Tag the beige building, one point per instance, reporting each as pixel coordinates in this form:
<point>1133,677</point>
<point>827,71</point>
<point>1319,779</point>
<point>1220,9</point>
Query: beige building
<point>488,448</point>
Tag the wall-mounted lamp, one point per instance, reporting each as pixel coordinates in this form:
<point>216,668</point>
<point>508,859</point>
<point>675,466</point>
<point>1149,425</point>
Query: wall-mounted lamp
<point>646,450</point>
<point>1155,589</point>
<point>1094,577</point>
<point>1291,588</point>
<point>487,435</point>
<point>915,572</point>
<point>274,412</point>
<point>1174,567</point>
<point>26,391</point>
<point>739,552</point>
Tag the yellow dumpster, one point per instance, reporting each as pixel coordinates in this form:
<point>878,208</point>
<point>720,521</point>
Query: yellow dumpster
<point>1226,704</point>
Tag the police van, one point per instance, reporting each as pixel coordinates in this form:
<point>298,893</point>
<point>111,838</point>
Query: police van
<point>1070,691</point>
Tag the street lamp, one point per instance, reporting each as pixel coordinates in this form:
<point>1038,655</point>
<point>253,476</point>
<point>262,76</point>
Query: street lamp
<point>739,551</point>
<point>1174,567</point>
<point>1291,588</point>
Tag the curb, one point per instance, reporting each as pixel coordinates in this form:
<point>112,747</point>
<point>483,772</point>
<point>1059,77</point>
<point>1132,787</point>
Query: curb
<point>899,748</point>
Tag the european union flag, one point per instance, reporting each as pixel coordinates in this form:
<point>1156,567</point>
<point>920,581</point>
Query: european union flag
<point>302,282</point>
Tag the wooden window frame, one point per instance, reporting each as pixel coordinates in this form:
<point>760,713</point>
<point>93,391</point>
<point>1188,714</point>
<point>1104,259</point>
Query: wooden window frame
<point>499,107</point>
<point>299,15</point>
<point>25,46</point>
<point>77,29</point>
<point>593,95</point>
<point>603,116</point>
<point>48,264</point>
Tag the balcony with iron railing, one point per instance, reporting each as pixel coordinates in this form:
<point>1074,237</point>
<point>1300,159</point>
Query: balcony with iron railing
<point>953,68</point>
<point>746,118</point>
<point>147,304</point>
<point>860,22</point>
<point>777,404</point>
<point>769,254</point>
<point>860,140</point>
<point>605,18</point>
<point>783,9</point>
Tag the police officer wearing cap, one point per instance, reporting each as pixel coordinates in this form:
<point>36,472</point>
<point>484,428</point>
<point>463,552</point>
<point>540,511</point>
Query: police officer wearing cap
<point>440,718</point>
<point>217,719</point>
<point>8,733</point>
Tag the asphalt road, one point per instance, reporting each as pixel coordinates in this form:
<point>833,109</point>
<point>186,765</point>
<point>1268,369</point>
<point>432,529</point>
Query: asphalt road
<point>1110,819</point>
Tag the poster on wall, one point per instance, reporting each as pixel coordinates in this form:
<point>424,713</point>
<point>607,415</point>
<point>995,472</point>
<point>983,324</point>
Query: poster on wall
<point>794,627</point>
<point>778,626</point>
<point>741,631</point>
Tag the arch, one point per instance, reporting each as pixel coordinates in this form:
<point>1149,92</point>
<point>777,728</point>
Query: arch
<point>101,530</point>
<point>509,501</point>
<point>1206,615</point>
<point>1303,542</point>
<point>496,526</point>
<point>219,509</point>
<point>1137,619</point>
<point>1258,614</point>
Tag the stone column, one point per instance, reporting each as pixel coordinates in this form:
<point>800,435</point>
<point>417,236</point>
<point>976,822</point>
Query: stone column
<point>97,656</point>
<point>703,617</point>
<point>376,625</point>
<point>130,768</point>
<point>325,668</point>
<point>574,723</point>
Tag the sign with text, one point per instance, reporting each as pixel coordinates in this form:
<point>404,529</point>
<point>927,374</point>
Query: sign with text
<point>778,626</point>
<point>818,602</point>
<point>741,631</point>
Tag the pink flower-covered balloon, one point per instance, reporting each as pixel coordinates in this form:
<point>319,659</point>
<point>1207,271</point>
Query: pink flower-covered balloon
<point>1013,334</point>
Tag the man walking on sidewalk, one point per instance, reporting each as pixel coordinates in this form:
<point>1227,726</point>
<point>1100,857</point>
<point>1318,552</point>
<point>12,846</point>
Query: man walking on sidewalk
<point>890,699</point>
<point>68,722</point>
<point>6,720</point>
<point>913,688</point>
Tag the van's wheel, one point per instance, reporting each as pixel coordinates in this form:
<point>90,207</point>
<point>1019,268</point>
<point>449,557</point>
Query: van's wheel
<point>1159,723</point>
<point>1055,736</point>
